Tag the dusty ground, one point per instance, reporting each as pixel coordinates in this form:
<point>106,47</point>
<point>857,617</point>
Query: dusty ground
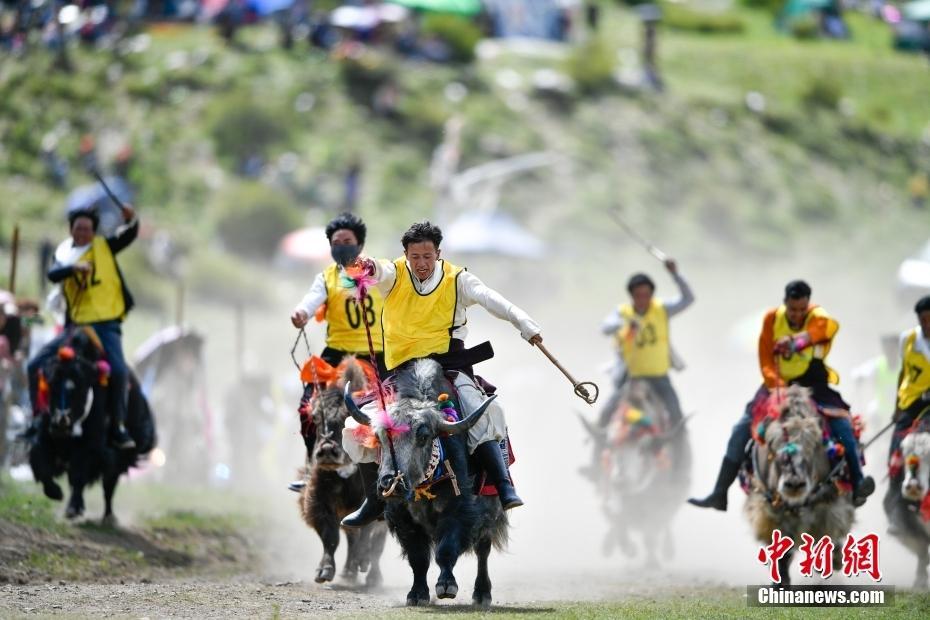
<point>238,597</point>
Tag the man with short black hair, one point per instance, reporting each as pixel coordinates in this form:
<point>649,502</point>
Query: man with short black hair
<point>912,405</point>
<point>641,330</point>
<point>793,346</point>
<point>642,333</point>
<point>914,379</point>
<point>345,332</point>
<point>96,296</point>
<point>425,303</point>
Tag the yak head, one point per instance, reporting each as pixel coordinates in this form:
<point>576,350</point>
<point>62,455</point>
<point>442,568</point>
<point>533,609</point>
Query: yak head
<point>916,450</point>
<point>410,425</point>
<point>797,459</point>
<point>328,409</point>
<point>68,383</point>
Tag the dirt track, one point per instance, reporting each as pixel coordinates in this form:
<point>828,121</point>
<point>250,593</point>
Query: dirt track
<point>196,598</point>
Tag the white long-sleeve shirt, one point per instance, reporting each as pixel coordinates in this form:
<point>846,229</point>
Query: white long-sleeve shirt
<point>613,321</point>
<point>471,290</point>
<point>315,297</point>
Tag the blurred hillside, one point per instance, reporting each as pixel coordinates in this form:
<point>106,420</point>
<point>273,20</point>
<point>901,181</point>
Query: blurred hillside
<point>760,144</point>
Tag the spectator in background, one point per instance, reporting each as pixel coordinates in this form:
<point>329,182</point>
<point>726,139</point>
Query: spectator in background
<point>919,189</point>
<point>353,180</point>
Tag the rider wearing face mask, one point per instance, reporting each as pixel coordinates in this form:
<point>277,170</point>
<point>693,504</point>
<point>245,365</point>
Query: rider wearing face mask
<point>327,300</point>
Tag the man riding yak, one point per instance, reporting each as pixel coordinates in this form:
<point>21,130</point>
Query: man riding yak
<point>424,315</point>
<point>328,299</point>
<point>96,297</point>
<point>643,346</point>
<point>793,346</point>
<point>913,401</point>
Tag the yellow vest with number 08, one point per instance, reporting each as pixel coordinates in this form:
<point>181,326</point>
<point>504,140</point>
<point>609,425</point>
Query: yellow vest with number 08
<point>102,298</point>
<point>798,363</point>
<point>344,328</point>
<point>417,325</point>
<point>915,378</point>
<point>644,340</point>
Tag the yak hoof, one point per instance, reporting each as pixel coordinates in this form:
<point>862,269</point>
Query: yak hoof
<point>52,490</point>
<point>363,565</point>
<point>374,579</point>
<point>73,513</point>
<point>415,598</point>
<point>447,589</point>
<point>109,521</point>
<point>481,599</point>
<point>325,573</point>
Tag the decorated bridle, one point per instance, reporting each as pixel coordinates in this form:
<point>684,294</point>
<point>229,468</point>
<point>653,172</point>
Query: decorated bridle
<point>357,279</point>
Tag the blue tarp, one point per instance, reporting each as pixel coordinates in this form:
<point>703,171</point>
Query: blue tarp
<point>267,7</point>
<point>94,197</point>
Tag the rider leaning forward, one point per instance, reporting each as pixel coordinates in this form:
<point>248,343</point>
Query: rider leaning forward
<point>425,303</point>
<point>793,346</point>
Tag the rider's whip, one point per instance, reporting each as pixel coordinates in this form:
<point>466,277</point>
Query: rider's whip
<point>106,188</point>
<point>581,387</point>
<point>649,246</point>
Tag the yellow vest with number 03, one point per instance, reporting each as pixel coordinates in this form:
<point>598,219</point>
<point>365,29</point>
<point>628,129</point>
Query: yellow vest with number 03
<point>102,298</point>
<point>644,340</point>
<point>344,328</point>
<point>916,373</point>
<point>798,363</point>
<point>417,325</point>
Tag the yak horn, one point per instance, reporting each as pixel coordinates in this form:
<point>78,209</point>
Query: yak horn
<point>354,411</point>
<point>463,425</point>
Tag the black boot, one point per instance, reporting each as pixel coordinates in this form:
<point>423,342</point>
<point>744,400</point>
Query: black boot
<point>862,490</point>
<point>491,460</point>
<point>372,508</point>
<point>121,438</point>
<point>119,399</point>
<point>718,499</point>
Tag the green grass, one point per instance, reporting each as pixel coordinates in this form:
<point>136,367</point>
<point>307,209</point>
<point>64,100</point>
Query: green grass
<point>189,522</point>
<point>171,535</point>
<point>24,505</point>
<point>723,171</point>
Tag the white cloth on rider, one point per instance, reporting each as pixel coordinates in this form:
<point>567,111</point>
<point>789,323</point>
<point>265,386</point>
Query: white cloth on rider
<point>66,255</point>
<point>315,297</point>
<point>356,451</point>
<point>492,426</point>
<point>471,290</point>
<point>613,321</point>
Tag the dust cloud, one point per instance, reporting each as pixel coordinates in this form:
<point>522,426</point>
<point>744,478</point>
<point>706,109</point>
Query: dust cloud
<point>556,543</point>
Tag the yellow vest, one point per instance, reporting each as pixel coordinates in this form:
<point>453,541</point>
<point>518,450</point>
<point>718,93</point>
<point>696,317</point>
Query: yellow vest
<point>416,325</point>
<point>916,373</point>
<point>644,340</point>
<point>102,298</point>
<point>344,328</point>
<point>796,365</point>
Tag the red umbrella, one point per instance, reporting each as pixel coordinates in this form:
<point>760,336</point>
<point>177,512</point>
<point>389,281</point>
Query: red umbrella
<point>308,245</point>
